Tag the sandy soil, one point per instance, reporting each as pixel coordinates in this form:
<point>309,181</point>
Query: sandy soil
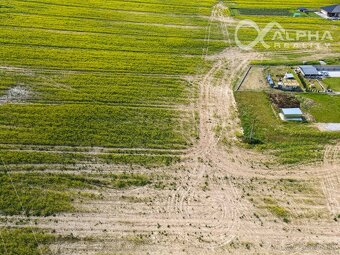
<point>211,202</point>
<point>328,126</point>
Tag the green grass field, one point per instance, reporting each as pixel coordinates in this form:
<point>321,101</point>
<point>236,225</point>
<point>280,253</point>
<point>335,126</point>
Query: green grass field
<point>106,74</point>
<point>324,108</point>
<point>105,82</point>
<point>332,83</point>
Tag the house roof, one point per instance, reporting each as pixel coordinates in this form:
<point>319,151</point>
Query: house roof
<point>291,111</point>
<point>309,70</point>
<point>332,8</point>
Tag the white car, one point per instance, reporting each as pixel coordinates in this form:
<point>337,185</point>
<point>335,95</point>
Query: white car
<point>324,73</point>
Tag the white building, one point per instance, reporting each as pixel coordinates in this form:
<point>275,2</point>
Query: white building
<point>291,114</point>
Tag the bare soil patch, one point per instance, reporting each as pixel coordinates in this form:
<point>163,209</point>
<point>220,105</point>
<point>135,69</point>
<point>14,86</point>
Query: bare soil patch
<point>16,94</point>
<point>281,100</point>
<point>255,79</point>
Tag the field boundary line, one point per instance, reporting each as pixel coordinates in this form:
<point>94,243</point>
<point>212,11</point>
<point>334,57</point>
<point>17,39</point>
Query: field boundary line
<point>49,46</point>
<point>243,78</point>
<point>93,71</point>
<point>51,29</point>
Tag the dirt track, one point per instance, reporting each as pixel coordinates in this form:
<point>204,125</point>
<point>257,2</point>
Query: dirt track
<point>205,206</point>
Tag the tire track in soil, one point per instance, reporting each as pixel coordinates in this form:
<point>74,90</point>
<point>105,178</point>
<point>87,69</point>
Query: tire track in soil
<point>330,178</point>
<point>182,198</point>
<point>209,140</point>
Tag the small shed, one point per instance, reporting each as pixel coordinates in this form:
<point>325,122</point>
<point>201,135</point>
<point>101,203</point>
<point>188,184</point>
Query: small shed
<point>291,114</point>
<point>289,76</point>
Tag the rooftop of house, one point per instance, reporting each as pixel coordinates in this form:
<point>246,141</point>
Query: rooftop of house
<point>332,8</point>
<point>309,70</point>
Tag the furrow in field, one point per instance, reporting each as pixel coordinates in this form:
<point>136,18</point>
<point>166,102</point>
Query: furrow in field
<point>172,6</point>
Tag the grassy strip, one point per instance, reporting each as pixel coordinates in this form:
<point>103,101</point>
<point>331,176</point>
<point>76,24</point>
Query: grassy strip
<point>281,4</point>
<point>148,159</point>
<point>90,125</point>
<point>23,242</point>
<point>91,88</point>
<point>107,74</point>
<point>145,160</point>
<point>264,11</point>
<point>127,180</point>
<point>277,210</point>
<point>175,7</point>
<point>47,194</point>
<point>35,157</point>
